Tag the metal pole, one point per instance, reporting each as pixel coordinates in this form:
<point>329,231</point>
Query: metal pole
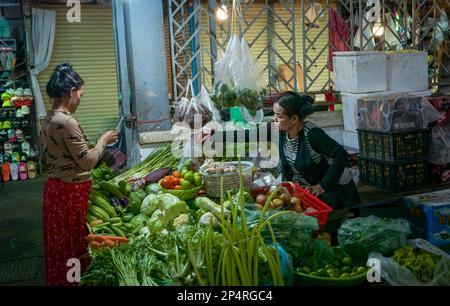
<point>271,55</point>
<point>304,47</point>
<point>212,37</point>
<point>294,46</point>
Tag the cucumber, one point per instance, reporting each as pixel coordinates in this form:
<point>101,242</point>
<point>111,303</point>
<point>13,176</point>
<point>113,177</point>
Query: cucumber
<point>118,231</point>
<point>114,220</point>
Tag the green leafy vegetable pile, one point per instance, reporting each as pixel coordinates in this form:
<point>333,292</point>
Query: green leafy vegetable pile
<point>418,261</point>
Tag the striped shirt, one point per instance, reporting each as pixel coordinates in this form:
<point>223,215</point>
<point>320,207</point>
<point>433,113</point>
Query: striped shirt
<point>291,150</point>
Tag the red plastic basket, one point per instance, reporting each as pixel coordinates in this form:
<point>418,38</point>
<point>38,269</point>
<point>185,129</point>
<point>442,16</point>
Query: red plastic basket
<point>308,200</point>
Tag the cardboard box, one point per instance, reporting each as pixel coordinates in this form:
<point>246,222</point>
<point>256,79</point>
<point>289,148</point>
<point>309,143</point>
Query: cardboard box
<point>360,71</point>
<point>429,216</point>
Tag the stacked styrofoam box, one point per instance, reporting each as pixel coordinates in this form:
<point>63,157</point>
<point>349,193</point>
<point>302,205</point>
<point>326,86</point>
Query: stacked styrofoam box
<point>360,71</point>
<point>407,70</point>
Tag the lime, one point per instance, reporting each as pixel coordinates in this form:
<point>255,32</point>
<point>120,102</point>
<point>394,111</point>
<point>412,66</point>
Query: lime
<point>189,176</point>
<point>306,270</point>
<point>347,261</point>
<point>184,171</point>
<point>361,270</point>
<point>329,266</point>
<point>197,180</point>
<point>185,184</point>
<point>347,269</point>
<point>336,263</point>
<point>345,274</point>
<point>333,275</point>
<point>353,274</point>
<point>314,273</point>
<point>322,272</point>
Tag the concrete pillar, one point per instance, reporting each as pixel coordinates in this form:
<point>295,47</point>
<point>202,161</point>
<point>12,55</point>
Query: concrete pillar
<point>144,24</point>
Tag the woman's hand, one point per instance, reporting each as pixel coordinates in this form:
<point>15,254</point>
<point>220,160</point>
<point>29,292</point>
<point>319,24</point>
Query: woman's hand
<point>315,190</point>
<point>108,138</point>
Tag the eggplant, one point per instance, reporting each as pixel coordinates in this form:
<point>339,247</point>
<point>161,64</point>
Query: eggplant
<point>124,202</point>
<point>115,201</point>
<point>156,175</point>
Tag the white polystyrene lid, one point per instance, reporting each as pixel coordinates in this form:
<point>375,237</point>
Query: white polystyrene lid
<point>358,53</point>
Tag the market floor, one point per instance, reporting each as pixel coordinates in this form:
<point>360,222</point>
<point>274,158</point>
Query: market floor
<point>21,244</point>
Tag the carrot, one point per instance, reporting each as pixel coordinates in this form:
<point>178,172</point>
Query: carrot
<point>94,245</point>
<point>101,238</point>
<point>108,243</point>
<point>90,237</point>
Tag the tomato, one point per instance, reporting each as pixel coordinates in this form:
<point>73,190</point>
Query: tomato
<point>175,180</point>
<point>176,173</point>
<point>166,183</point>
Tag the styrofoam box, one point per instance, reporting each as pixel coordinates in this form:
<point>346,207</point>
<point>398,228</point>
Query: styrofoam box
<point>350,106</point>
<point>360,71</point>
<point>407,71</point>
<point>351,139</point>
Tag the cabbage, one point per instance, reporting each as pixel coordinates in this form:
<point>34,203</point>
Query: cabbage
<point>171,207</point>
<point>139,221</point>
<point>153,188</point>
<point>149,204</point>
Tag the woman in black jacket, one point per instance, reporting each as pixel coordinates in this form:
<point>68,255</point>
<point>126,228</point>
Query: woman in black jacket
<point>309,156</point>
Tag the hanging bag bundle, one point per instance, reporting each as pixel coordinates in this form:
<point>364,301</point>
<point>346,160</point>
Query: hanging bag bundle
<point>187,109</point>
<point>237,78</point>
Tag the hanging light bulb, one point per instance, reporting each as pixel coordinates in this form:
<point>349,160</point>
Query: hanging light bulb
<point>378,28</point>
<point>222,12</point>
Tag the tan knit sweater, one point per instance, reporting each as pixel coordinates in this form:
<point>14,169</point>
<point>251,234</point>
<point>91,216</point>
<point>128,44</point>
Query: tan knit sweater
<point>66,150</point>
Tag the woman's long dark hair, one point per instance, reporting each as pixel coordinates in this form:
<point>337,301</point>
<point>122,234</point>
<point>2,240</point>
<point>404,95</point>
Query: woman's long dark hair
<point>63,79</point>
<point>295,104</point>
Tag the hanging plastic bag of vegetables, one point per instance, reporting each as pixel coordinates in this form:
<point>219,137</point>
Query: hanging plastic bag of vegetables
<point>187,109</point>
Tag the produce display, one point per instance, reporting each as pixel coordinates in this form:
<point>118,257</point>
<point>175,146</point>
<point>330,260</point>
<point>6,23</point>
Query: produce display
<point>144,230</point>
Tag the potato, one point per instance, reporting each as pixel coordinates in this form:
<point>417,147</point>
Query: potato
<point>277,203</point>
<point>285,197</point>
<point>261,199</point>
<point>295,201</point>
<point>298,208</point>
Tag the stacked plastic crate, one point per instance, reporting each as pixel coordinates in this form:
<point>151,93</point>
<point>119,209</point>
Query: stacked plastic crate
<point>382,96</point>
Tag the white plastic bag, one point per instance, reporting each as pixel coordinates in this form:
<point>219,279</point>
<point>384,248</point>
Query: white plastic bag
<point>439,153</point>
<point>396,275</point>
<point>186,110</point>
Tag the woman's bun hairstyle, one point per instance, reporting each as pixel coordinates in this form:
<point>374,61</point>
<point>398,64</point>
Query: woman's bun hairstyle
<point>296,104</point>
<point>63,79</point>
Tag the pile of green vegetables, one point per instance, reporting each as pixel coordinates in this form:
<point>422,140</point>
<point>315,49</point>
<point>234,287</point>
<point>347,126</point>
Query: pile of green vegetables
<point>225,96</point>
<point>418,261</point>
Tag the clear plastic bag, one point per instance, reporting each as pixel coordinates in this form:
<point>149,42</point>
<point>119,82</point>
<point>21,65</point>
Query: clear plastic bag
<point>439,153</point>
<point>395,113</point>
<point>186,110</point>
<point>396,275</point>
<point>293,231</point>
<point>237,75</point>
<point>360,236</point>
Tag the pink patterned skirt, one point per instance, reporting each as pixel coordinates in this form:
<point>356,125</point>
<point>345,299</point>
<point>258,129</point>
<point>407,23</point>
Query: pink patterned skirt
<point>64,219</point>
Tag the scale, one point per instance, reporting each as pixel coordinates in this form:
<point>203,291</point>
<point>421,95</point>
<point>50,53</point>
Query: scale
<point>241,115</point>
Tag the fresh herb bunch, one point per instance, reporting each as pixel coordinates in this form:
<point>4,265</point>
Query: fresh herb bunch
<point>225,96</point>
